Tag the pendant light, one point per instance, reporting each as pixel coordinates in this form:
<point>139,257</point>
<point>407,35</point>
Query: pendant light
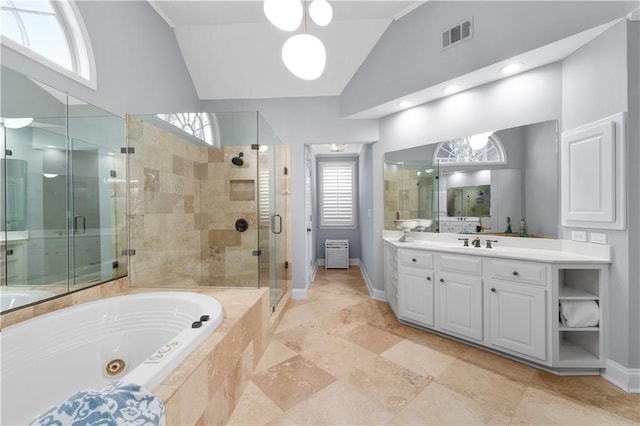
<point>320,12</point>
<point>479,141</point>
<point>304,55</point>
<point>284,14</point>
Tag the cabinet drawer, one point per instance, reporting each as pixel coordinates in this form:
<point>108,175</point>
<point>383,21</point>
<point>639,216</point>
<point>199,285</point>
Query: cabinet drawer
<point>471,265</point>
<point>416,258</point>
<point>523,272</point>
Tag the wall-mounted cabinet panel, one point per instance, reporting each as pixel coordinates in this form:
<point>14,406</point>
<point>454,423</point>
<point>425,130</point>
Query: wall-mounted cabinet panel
<point>593,174</point>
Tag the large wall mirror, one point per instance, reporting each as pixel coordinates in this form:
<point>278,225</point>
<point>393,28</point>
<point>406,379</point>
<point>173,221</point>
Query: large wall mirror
<point>63,193</point>
<point>468,186</point>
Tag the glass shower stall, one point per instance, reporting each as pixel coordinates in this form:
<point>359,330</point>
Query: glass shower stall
<point>63,221</point>
<point>207,201</point>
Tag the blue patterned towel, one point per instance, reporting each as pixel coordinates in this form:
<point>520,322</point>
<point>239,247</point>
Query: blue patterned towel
<point>119,404</point>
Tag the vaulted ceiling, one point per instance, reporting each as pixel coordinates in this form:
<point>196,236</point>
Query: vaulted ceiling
<point>233,52</point>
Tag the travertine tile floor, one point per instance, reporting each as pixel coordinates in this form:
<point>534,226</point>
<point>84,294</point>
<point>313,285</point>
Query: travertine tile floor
<point>341,358</point>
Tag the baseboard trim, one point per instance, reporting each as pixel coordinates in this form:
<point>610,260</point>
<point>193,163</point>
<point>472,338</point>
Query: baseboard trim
<point>352,262</point>
<point>627,379</point>
<point>299,293</point>
<point>303,293</point>
<point>373,292</point>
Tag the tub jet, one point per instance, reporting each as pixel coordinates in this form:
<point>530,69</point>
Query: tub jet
<point>238,161</point>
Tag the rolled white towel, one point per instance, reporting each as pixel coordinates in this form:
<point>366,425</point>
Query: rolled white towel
<point>579,313</point>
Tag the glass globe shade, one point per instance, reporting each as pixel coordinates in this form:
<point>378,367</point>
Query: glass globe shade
<point>305,56</point>
<point>321,12</point>
<point>284,14</point>
<point>479,141</point>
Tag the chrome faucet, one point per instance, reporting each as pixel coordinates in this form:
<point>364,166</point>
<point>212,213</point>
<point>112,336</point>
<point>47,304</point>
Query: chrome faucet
<point>489,243</point>
<point>476,242</point>
<point>466,242</point>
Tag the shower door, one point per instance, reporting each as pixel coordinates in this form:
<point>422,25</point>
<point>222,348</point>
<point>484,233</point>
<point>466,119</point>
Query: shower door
<point>94,255</point>
<point>271,232</point>
<point>97,172</point>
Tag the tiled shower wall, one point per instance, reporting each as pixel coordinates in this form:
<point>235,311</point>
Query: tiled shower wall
<point>400,194</point>
<point>184,202</point>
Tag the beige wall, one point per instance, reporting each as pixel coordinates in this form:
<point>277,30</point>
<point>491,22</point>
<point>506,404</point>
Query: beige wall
<point>184,202</point>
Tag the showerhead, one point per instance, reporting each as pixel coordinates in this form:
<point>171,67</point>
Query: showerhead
<point>238,161</point>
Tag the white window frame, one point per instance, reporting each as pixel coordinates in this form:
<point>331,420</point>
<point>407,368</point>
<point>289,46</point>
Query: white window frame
<point>343,223</point>
<point>78,43</point>
<point>474,156</point>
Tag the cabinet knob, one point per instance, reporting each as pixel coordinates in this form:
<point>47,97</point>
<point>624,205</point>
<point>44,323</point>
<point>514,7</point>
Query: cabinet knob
<point>515,273</point>
<point>493,290</point>
<point>442,280</point>
<point>413,260</point>
<point>428,278</point>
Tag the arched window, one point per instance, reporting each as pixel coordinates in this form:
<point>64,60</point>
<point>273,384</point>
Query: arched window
<point>50,32</point>
<point>476,149</point>
<point>198,124</point>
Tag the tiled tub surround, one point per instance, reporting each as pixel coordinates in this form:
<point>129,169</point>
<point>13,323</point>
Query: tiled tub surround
<point>206,386</point>
<point>108,289</point>
<point>184,202</point>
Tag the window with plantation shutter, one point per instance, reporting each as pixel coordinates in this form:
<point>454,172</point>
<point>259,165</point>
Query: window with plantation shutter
<point>338,194</point>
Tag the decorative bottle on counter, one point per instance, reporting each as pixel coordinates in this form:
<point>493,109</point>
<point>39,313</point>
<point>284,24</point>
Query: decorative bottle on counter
<point>523,228</point>
<point>508,230</point>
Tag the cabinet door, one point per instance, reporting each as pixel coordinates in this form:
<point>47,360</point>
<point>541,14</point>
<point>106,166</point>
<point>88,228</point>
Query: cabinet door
<point>415,290</point>
<point>460,304</point>
<point>518,320</point>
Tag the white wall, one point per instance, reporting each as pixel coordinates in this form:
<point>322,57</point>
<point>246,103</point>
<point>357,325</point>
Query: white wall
<point>526,98</point>
<point>409,57</point>
<point>140,69</point>
<point>591,83</point>
<point>594,86</point>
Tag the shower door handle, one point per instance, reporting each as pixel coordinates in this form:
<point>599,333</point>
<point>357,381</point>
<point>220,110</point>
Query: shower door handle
<point>75,224</point>
<point>273,224</point>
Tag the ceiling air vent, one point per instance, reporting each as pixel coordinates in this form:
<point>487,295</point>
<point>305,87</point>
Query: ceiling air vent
<point>457,34</point>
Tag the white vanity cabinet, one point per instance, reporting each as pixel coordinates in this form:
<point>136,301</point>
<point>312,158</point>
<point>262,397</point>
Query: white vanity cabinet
<point>459,290</point>
<point>415,286</point>
<point>509,303</point>
<point>391,276</point>
<point>516,295</point>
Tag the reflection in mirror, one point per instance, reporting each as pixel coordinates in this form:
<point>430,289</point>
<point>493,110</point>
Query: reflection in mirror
<point>479,197</point>
<point>62,204</point>
<point>469,201</point>
<point>411,192</point>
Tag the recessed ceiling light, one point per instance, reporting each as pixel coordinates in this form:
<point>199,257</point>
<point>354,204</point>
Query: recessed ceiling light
<point>511,68</point>
<point>404,104</point>
<point>451,89</point>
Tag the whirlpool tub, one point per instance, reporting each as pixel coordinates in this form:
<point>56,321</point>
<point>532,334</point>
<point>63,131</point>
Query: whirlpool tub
<point>137,338</point>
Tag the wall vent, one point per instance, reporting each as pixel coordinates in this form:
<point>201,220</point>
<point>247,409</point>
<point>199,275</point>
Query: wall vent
<point>457,34</point>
